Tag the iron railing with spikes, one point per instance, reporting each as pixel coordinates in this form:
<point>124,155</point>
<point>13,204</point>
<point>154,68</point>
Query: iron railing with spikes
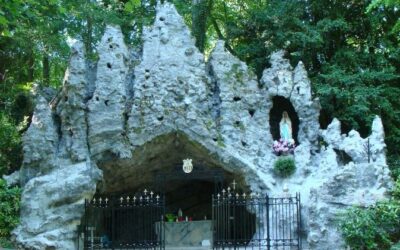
<point>124,221</point>
<point>254,221</point>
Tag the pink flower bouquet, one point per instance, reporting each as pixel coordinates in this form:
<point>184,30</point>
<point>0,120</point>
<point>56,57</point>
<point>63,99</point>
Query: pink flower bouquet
<point>283,147</point>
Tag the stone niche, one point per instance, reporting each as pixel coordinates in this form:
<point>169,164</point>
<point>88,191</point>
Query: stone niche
<point>279,105</point>
<point>114,127</point>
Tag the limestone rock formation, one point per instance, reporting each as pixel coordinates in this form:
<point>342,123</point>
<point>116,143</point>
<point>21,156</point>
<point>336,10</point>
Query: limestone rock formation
<point>171,86</point>
<point>113,132</point>
<point>106,109</point>
<point>52,206</point>
<point>71,108</point>
<point>359,149</point>
<point>40,142</point>
<point>240,106</point>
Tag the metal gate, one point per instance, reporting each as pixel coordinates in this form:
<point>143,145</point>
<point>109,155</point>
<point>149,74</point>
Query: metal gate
<point>253,221</point>
<point>124,222</point>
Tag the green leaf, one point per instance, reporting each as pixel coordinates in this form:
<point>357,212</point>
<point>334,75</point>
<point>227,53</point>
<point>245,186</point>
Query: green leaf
<point>3,20</point>
<point>131,5</point>
<point>6,33</point>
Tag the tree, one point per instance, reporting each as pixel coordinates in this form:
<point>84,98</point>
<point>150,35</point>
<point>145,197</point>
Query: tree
<point>200,13</point>
<point>388,5</point>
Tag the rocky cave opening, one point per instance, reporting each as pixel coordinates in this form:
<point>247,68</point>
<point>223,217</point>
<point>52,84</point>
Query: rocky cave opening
<point>158,168</point>
<point>281,104</point>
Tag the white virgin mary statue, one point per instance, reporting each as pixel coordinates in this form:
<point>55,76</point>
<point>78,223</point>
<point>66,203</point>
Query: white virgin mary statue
<point>285,128</point>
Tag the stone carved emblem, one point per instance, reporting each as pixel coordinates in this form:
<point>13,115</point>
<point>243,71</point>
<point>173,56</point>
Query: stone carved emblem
<point>187,166</point>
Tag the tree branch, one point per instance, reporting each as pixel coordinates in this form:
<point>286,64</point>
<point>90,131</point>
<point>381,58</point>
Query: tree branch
<point>221,36</point>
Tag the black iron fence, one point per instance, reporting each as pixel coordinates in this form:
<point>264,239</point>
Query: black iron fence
<point>253,221</point>
<point>284,215</point>
<point>124,222</point>
<point>240,221</point>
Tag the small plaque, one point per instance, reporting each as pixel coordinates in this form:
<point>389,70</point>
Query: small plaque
<point>187,166</point>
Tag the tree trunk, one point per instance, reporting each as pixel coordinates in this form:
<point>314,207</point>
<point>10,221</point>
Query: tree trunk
<point>89,31</point>
<point>31,66</point>
<point>200,12</point>
<point>221,36</point>
<point>46,70</point>
<point>88,40</point>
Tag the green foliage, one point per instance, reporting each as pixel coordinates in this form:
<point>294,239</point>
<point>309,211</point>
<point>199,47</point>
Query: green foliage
<point>34,34</point>
<point>375,227</point>
<point>396,190</point>
<point>170,217</point>
<point>10,145</point>
<point>9,209</point>
<point>387,5</point>
<point>284,166</point>
<point>6,243</point>
<point>200,12</point>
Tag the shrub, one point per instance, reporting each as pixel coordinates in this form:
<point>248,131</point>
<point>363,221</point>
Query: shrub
<point>10,145</point>
<point>9,209</point>
<point>375,227</point>
<point>6,243</point>
<point>284,166</point>
<point>396,190</point>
